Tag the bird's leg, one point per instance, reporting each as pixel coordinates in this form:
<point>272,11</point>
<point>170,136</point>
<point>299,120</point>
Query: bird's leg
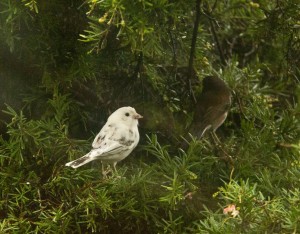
<point>216,138</point>
<point>105,170</point>
<point>114,166</point>
<point>115,170</point>
<point>219,144</point>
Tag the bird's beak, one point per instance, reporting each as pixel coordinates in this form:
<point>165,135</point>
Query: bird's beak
<point>137,116</point>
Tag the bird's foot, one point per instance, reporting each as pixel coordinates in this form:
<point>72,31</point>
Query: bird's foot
<point>106,172</point>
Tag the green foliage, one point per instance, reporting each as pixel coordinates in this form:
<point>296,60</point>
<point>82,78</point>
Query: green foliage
<point>41,195</point>
<point>256,212</point>
<point>66,65</point>
<point>32,5</point>
<point>142,25</point>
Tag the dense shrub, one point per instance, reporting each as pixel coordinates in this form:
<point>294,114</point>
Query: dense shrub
<point>66,65</point>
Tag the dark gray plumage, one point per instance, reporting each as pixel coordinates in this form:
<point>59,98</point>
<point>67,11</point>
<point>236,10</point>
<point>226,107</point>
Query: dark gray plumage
<point>212,106</point>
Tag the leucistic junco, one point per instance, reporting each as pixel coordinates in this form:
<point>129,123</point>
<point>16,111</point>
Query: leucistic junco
<point>212,106</point>
<point>116,140</point>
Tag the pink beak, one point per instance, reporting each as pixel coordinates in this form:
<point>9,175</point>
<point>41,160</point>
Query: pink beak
<point>137,116</point>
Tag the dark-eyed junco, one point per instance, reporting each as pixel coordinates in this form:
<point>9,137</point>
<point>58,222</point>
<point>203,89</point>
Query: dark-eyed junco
<point>212,106</point>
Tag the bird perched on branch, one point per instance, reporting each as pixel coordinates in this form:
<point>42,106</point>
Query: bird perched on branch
<point>116,140</point>
<point>212,106</point>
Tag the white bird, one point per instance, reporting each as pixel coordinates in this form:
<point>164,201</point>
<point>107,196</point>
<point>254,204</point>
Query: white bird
<point>116,140</point>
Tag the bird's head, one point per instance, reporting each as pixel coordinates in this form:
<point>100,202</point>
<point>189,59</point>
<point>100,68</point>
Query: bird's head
<point>127,115</point>
<point>213,82</point>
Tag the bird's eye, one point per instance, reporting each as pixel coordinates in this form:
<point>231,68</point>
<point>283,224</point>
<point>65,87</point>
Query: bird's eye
<point>127,114</point>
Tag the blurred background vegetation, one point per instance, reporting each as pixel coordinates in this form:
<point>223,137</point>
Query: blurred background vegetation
<point>66,65</point>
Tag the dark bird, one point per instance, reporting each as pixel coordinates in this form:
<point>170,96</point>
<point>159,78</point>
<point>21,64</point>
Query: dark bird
<point>212,106</point>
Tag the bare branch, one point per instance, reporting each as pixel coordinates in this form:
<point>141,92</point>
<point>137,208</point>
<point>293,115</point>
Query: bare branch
<point>192,52</point>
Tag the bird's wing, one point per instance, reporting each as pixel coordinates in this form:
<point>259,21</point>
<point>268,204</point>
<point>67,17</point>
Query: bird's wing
<point>107,130</point>
<point>213,112</point>
<point>113,139</point>
<point>207,114</point>
<point>212,118</point>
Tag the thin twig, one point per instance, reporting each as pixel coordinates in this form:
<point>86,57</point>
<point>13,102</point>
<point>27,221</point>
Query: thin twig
<point>212,21</point>
<point>193,48</point>
<point>215,36</point>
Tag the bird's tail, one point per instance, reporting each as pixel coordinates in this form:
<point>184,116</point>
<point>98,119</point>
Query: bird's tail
<point>80,161</point>
<point>202,131</point>
<point>198,130</point>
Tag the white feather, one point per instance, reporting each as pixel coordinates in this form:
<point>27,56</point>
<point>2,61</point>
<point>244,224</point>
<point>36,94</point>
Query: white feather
<point>116,140</point>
